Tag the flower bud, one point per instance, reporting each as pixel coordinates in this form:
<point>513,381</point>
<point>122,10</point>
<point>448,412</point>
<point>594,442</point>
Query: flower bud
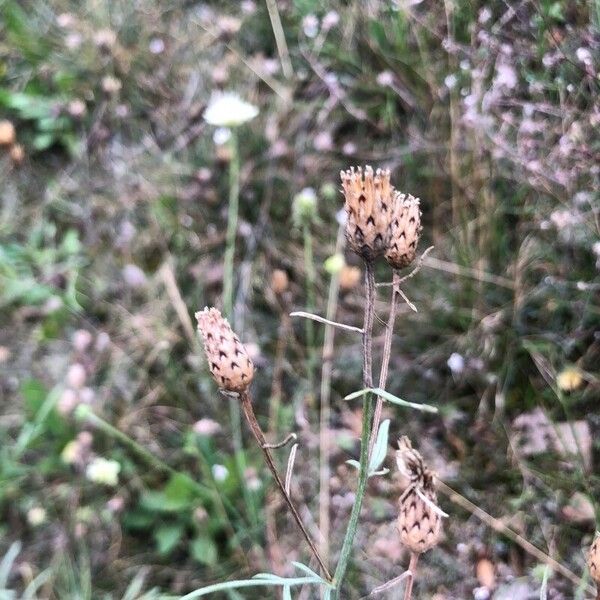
<point>227,357</point>
<point>404,231</point>
<point>368,203</point>
<point>420,520</point>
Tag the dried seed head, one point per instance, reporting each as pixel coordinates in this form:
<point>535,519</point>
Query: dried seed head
<point>227,358</point>
<point>594,560</point>
<point>368,203</point>
<point>420,520</point>
<point>404,231</point>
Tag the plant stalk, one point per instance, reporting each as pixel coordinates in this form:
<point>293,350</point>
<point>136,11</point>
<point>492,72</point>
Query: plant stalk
<point>412,567</point>
<point>228,292</point>
<point>363,473</point>
<point>309,267</point>
<point>387,349</point>
<point>246,404</point>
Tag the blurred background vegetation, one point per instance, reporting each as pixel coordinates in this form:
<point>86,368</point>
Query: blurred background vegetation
<point>113,208</point>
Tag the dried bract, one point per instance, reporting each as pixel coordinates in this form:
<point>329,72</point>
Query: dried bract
<point>368,203</point>
<point>404,231</point>
<point>227,357</point>
<point>420,520</point>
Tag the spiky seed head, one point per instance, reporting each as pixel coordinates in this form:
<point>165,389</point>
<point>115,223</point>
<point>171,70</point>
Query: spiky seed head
<point>227,358</point>
<point>404,231</point>
<point>368,203</point>
<point>419,521</point>
<point>593,560</point>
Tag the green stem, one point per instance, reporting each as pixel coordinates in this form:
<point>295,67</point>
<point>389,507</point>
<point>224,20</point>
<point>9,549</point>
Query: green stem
<point>228,292</point>
<point>309,267</point>
<point>363,473</point>
<point>363,476</point>
<point>232,221</point>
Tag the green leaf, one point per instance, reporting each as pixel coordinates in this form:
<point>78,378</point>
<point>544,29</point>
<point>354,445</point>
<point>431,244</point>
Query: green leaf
<point>180,491</point>
<point>167,537</point>
<point>353,463</point>
<point>204,550</point>
<point>34,393</point>
<point>380,448</point>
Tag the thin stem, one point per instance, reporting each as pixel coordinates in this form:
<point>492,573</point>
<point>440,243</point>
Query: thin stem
<point>309,267</point>
<point>387,348</point>
<point>414,559</point>
<point>228,277</point>
<point>282,49</point>
<point>363,476</point>
<point>325,406</point>
<point>367,338</point>
<point>232,221</point>
<point>246,404</point>
<point>363,473</point>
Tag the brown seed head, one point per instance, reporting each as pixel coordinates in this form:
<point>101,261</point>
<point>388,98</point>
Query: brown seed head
<point>227,358</point>
<point>594,560</point>
<point>404,231</point>
<point>419,521</point>
<point>368,203</point>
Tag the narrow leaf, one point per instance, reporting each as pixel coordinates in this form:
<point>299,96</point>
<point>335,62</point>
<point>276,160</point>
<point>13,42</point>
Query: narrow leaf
<point>380,449</point>
<point>391,398</point>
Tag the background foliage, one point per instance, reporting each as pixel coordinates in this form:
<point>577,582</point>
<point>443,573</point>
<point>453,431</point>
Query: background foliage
<point>112,226</point>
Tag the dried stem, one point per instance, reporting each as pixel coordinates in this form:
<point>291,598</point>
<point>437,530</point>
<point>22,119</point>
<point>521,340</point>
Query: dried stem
<point>387,349</point>
<point>388,585</point>
<point>248,410</point>
<point>363,472</point>
<point>414,559</point>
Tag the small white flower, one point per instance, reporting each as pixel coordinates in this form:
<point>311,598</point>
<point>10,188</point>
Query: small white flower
<point>385,78</point>
<point>36,516</point>
<point>584,55</point>
<point>450,81</point>
<point>310,26</point>
<point>229,110</point>
<point>206,427</point>
<point>103,471</point>
<point>456,363</point>
<point>220,472</point>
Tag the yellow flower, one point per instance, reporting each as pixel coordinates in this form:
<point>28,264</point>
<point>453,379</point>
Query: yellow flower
<point>569,379</point>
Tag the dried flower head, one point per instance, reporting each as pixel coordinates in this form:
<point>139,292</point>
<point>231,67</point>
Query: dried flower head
<point>420,520</point>
<point>368,203</point>
<point>593,560</point>
<point>404,231</point>
<point>227,357</point>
